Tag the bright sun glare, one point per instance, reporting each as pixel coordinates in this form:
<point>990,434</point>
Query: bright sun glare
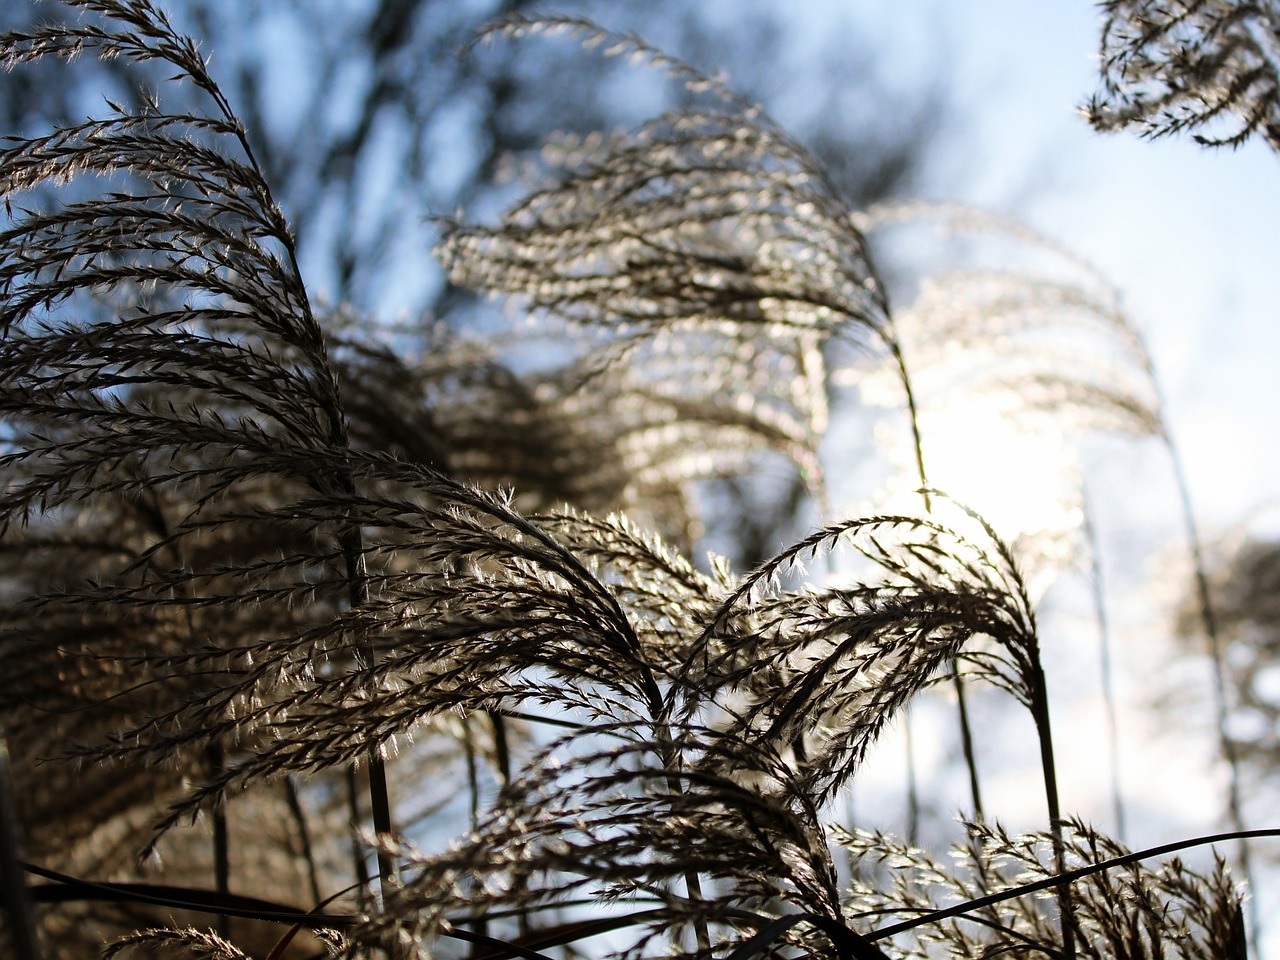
<point>1024,484</point>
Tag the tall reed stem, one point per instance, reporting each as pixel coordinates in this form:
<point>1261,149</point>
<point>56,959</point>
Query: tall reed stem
<point>1048,768</point>
<point>957,684</point>
<point>1221,702</point>
<point>1104,655</point>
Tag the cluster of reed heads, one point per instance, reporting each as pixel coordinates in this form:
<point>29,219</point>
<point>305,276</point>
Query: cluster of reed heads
<point>284,605</point>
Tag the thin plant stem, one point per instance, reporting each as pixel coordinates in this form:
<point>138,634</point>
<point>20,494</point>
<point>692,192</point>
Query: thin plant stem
<point>913,796</point>
<point>957,684</point>
<point>851,824</point>
<point>361,869</point>
<point>1213,642</point>
<point>13,882</point>
<point>1048,768</point>
<point>1221,703</point>
<point>299,814</point>
<point>380,803</point>
<point>502,765</point>
<point>966,743</point>
<point>379,795</point>
<point>913,787</point>
<point>473,774</point>
<point>221,843</point>
<point>479,924</point>
<point>913,414</point>
<point>501,747</point>
<point>1105,668</point>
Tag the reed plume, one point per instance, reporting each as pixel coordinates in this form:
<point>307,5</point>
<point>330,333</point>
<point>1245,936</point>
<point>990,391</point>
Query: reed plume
<point>248,547</point>
<point>1208,68</point>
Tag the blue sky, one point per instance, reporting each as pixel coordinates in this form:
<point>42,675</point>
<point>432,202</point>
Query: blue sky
<point>1190,236</point>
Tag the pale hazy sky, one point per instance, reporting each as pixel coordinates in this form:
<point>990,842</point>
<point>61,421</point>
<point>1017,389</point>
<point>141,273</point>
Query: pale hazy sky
<point>1190,236</point>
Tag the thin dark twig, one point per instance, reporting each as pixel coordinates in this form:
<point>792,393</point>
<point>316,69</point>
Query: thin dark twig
<point>180,898</point>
